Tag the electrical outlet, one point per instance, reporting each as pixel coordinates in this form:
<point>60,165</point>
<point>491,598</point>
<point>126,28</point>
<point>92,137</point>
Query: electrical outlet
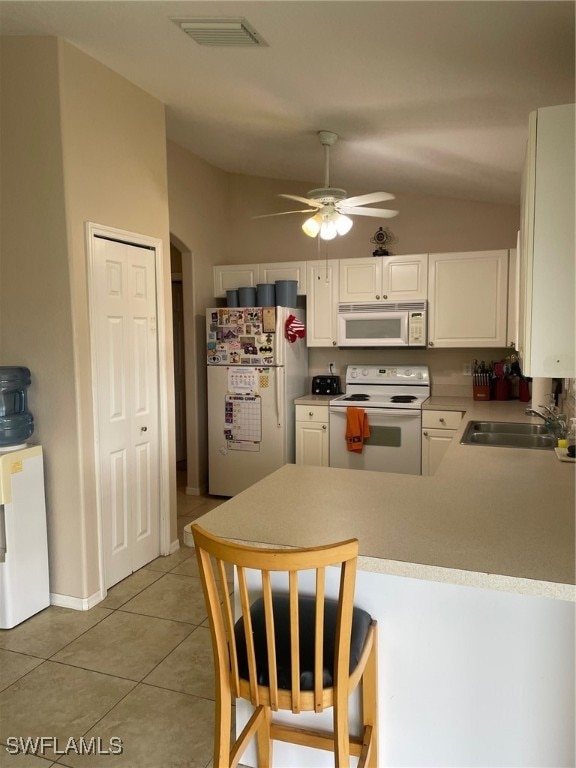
<point>467,369</point>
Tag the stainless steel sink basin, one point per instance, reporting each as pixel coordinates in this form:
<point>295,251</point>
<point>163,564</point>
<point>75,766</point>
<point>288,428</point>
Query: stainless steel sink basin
<point>508,435</point>
<point>510,427</point>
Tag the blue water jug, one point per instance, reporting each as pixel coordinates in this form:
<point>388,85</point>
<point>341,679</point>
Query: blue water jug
<point>16,421</point>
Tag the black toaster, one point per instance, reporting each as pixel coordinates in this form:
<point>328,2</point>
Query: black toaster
<point>326,385</point>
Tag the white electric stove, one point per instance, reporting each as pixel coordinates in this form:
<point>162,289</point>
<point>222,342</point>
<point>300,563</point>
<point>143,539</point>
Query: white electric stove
<point>391,396</point>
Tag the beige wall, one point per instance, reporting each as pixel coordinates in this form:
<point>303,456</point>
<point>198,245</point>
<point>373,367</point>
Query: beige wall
<point>424,225</point>
<point>199,200</point>
<point>36,311</point>
<point>87,146</point>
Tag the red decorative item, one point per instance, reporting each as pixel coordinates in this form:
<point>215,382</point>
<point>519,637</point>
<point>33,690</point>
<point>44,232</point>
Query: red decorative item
<point>294,329</point>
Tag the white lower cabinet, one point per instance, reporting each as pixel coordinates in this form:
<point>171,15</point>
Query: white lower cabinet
<point>312,436</point>
<point>438,431</point>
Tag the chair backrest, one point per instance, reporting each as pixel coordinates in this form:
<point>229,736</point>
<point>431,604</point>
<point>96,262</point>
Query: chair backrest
<point>214,553</point>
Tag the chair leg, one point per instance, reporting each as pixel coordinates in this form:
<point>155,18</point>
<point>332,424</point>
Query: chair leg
<point>222,727</point>
<point>264,742</point>
<point>370,700</point>
<point>341,729</point>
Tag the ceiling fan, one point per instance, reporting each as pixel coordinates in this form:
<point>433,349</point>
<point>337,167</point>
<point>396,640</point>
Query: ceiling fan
<point>333,208</point>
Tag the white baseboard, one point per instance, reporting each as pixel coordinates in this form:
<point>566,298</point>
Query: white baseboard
<point>174,547</point>
<point>190,491</point>
<point>76,603</point>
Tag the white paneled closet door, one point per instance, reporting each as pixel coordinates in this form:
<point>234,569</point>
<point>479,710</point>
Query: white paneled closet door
<point>126,363</point>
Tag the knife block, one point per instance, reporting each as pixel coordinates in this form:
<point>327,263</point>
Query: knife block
<point>480,392</point>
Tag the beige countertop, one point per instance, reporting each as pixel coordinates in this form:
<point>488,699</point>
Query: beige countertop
<point>314,399</point>
<point>498,518</point>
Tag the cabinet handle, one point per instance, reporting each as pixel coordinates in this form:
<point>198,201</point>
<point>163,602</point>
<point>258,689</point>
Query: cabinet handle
<point>425,434</point>
<point>333,343</point>
<point>430,343</point>
<point>324,427</point>
<point>442,420</point>
<point>385,296</point>
<point>310,413</point>
<point>377,296</point>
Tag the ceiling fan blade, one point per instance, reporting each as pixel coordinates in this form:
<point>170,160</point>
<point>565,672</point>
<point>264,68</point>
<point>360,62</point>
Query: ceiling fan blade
<point>307,200</point>
<point>381,213</point>
<point>282,213</point>
<point>371,197</point>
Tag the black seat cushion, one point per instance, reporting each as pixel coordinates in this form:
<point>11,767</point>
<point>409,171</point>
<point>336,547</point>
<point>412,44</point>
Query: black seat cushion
<point>306,607</point>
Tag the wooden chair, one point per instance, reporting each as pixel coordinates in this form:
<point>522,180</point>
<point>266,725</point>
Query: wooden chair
<point>289,651</point>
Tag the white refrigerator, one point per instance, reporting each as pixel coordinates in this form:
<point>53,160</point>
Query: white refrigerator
<point>254,375</point>
<point>24,577</point>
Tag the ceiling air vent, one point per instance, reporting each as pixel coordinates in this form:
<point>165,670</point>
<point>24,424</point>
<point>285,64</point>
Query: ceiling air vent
<point>228,32</point>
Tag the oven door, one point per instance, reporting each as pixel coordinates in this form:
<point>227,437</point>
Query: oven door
<point>373,329</point>
<point>394,444</point>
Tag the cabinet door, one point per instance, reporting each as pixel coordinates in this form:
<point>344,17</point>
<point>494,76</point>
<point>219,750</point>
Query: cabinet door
<point>360,279</point>
<point>321,303</point>
<point>512,322</point>
<point>232,276</point>
<point>467,295</point>
<point>290,270</point>
<point>435,443</point>
<point>405,278</point>
<point>547,313</point>
<point>312,444</point>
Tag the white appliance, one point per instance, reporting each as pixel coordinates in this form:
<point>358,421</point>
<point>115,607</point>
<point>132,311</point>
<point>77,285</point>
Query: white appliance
<point>254,375</point>
<point>24,583</point>
<point>391,397</point>
<point>382,325</point>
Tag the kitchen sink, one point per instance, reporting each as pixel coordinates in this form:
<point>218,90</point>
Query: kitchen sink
<point>509,427</point>
<point>508,435</point>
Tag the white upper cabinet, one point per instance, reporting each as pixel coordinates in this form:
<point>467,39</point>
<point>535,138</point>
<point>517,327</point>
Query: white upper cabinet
<point>546,301</point>
<point>384,279</point>
<point>467,299</point>
<point>322,303</point>
<point>293,270</point>
<point>231,276</point>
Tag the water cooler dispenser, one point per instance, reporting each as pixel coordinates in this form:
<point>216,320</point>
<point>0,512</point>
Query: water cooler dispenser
<point>24,582</point>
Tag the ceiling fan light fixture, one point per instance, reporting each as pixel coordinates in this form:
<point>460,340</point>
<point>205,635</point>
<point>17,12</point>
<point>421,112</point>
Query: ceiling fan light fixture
<point>328,230</point>
<point>312,225</point>
<point>343,224</point>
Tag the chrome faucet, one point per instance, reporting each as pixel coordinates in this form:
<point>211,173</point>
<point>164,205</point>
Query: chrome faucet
<point>556,422</point>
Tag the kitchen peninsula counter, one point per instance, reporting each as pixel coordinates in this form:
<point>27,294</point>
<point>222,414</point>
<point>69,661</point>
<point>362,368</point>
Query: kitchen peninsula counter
<point>498,518</point>
<point>470,576</point>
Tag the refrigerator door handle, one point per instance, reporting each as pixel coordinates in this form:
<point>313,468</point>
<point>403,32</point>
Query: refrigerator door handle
<point>279,398</point>
<point>2,533</point>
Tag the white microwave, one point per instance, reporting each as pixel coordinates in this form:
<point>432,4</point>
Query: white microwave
<point>382,325</point>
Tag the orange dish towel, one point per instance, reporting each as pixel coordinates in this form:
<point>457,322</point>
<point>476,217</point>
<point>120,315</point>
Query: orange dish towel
<point>357,429</point>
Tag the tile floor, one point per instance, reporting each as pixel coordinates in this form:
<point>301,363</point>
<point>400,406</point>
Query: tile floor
<point>138,667</point>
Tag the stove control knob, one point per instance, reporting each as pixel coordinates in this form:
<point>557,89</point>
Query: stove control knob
<point>353,373</point>
<point>365,372</point>
<point>408,372</point>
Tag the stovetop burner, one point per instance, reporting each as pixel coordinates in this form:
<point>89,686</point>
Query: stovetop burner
<point>359,397</point>
<point>402,399</point>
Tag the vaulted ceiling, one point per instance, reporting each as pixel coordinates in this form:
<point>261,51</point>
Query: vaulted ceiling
<point>428,98</point>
